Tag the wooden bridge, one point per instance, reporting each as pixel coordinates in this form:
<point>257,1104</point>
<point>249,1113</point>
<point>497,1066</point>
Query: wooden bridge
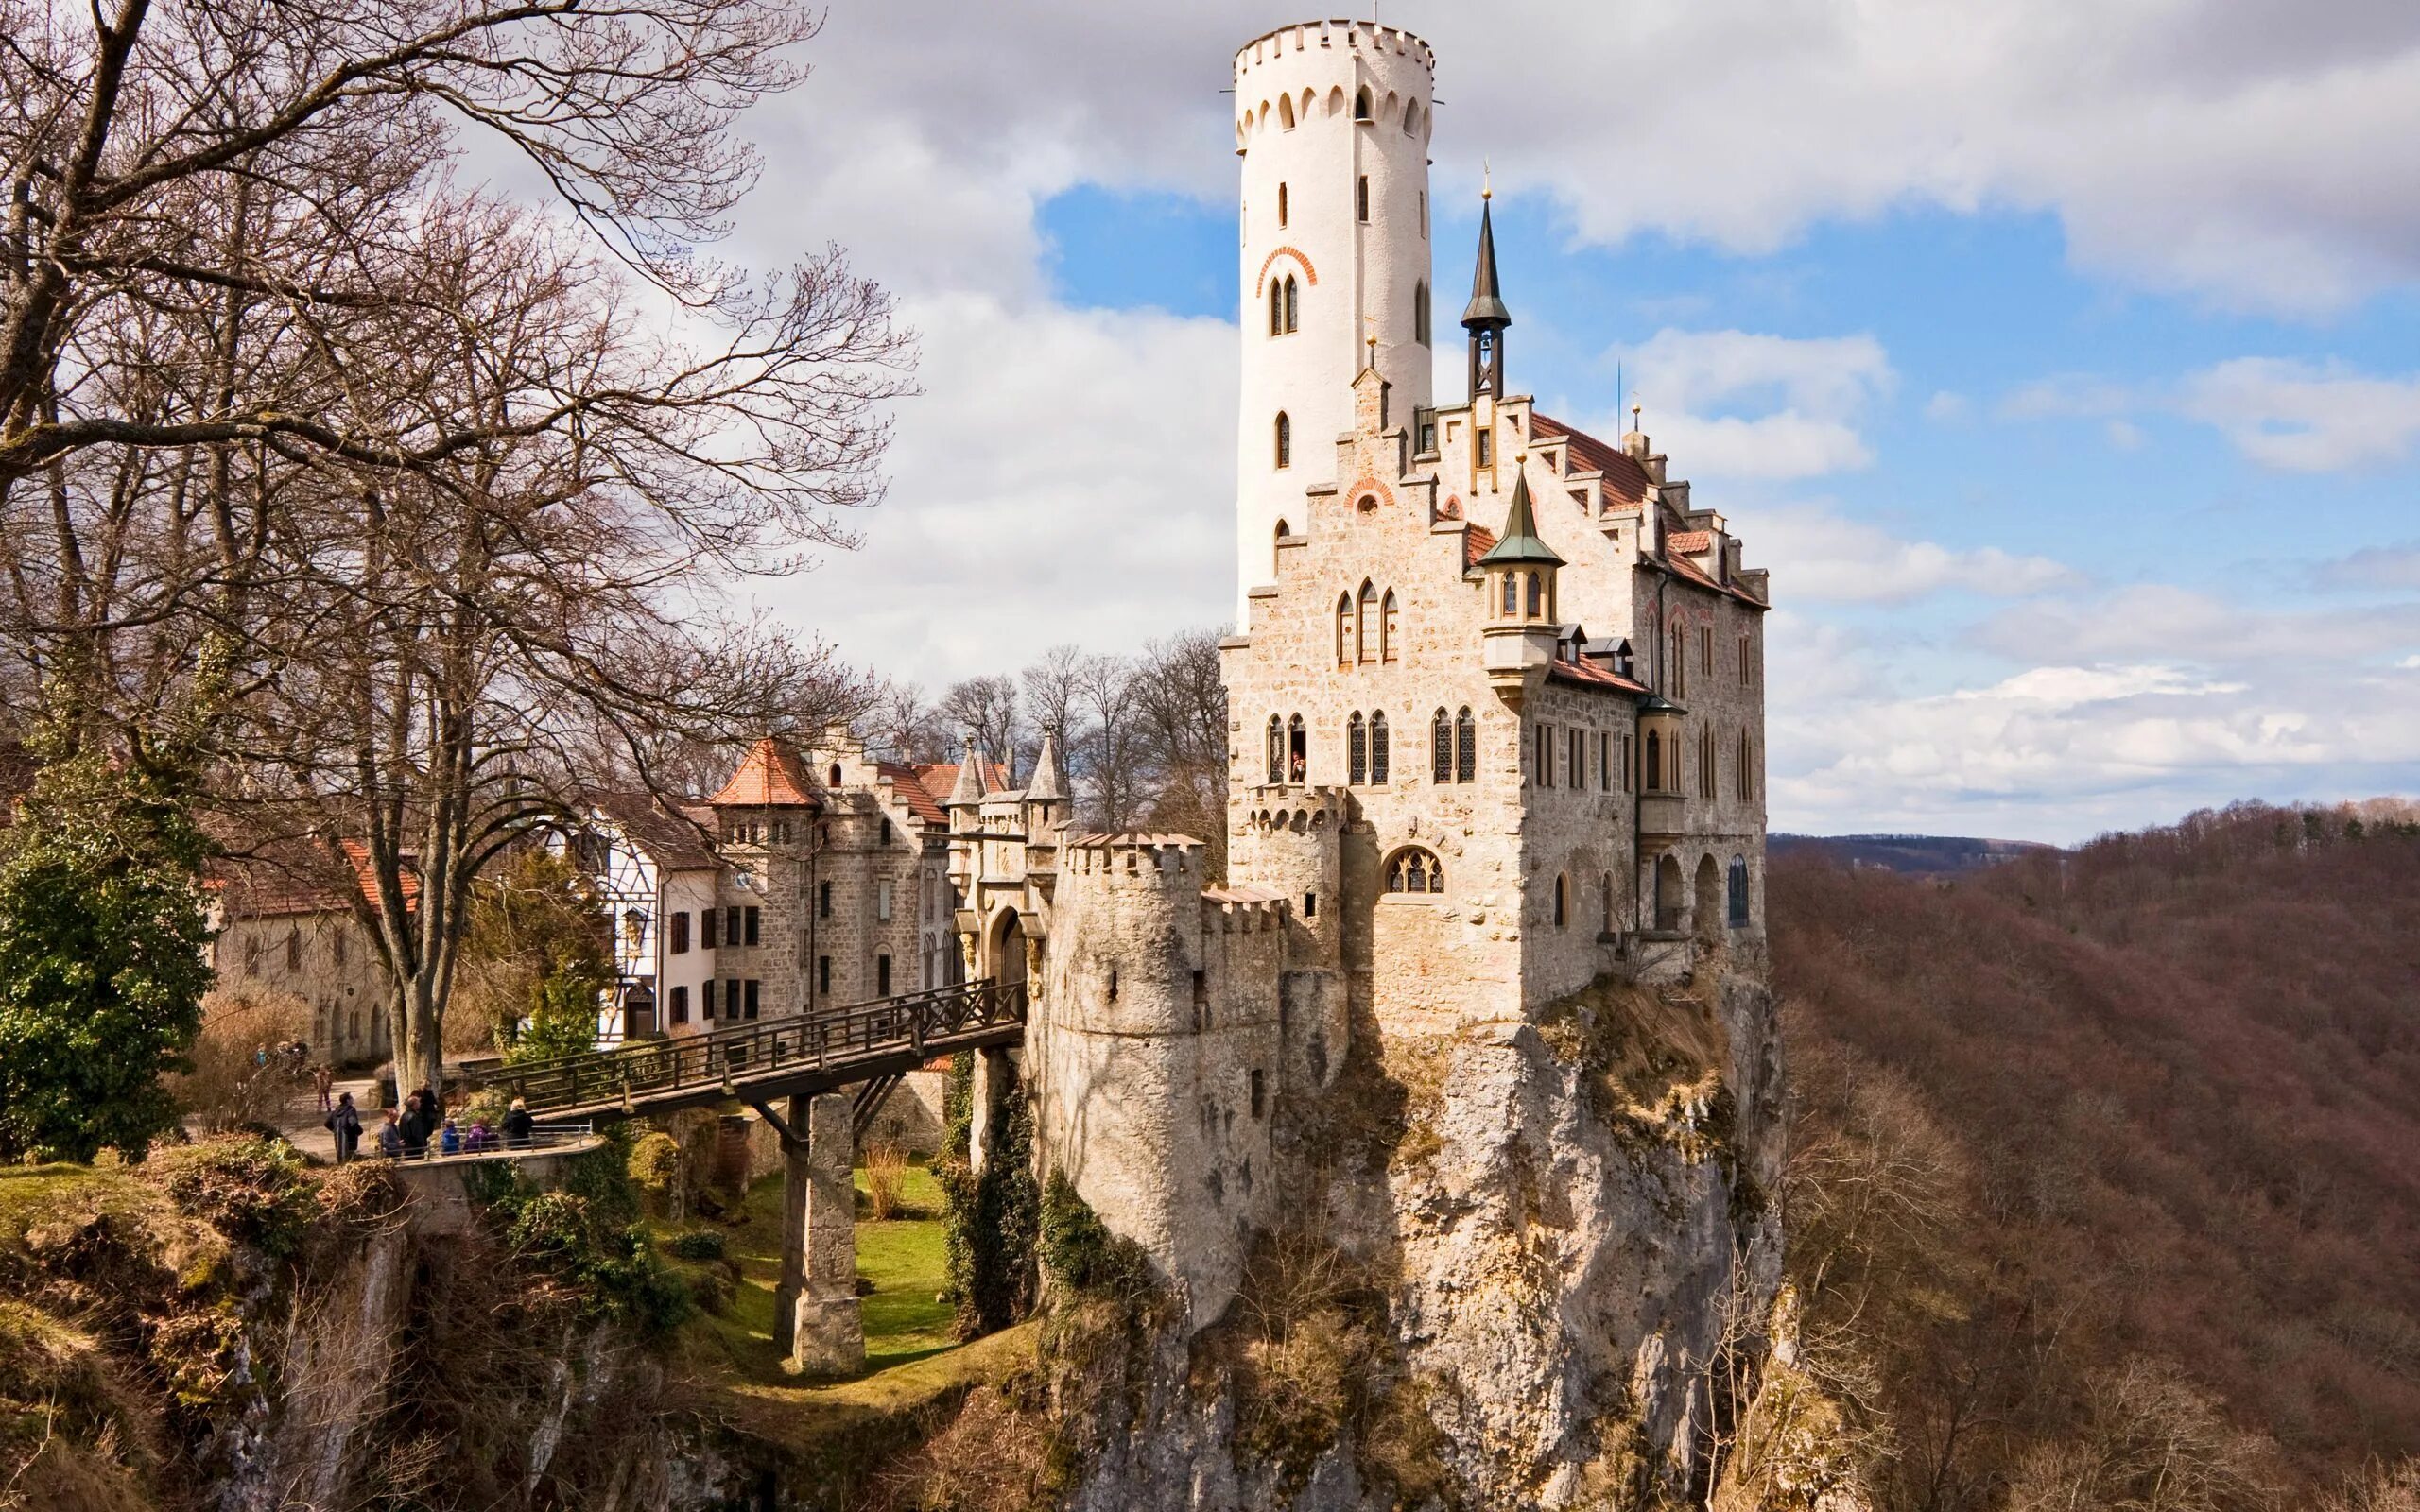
<point>869,1045</point>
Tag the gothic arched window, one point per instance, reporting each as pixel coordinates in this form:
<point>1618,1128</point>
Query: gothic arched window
<point>1286,111</point>
<point>1344,629</point>
<point>1277,752</point>
<point>1365,613</point>
<point>1357,751</point>
<point>1284,440</point>
<point>1378,746</point>
<point>1738,892</point>
<point>1537,596</point>
<point>1293,304</point>
<point>1465,748</point>
<point>1420,312</point>
<point>1654,763</point>
<point>1361,106</point>
<point>1387,628</point>
<point>1297,750</point>
<point>1414,872</point>
<point>1276,308</point>
<point>1511,594</point>
<point>1676,669</point>
<point>1441,747</point>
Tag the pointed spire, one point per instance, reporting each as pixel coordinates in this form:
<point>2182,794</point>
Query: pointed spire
<point>1520,543</point>
<point>968,790</point>
<point>1486,309</point>
<point>1048,784</point>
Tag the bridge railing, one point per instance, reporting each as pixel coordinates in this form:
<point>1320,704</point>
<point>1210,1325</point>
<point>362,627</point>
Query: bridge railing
<point>861,1032</point>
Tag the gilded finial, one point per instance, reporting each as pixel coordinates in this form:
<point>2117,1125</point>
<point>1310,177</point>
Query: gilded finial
<point>1486,181</point>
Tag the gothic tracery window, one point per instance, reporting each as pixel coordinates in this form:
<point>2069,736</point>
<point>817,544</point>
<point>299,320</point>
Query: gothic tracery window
<point>1440,743</point>
<point>1378,746</point>
<point>1465,748</point>
<point>1365,622</point>
<point>1357,751</point>
<point>1414,870</point>
<point>1277,752</point>
<point>1387,647</point>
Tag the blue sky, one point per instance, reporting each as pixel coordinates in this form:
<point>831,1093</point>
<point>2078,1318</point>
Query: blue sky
<point>2062,361</point>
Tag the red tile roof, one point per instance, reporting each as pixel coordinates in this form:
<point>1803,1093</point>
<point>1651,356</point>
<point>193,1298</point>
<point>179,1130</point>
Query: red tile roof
<point>939,777</point>
<point>909,783</point>
<point>1588,673</point>
<point>1690,542</point>
<point>770,776</point>
<point>1478,540</point>
<point>1625,477</point>
<point>299,877</point>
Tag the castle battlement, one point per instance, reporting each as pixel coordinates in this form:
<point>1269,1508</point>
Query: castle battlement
<point>1344,35</point>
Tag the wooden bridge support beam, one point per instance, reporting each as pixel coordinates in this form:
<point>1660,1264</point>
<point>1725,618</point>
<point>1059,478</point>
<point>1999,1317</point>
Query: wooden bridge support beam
<point>816,1321</point>
<point>986,1117</point>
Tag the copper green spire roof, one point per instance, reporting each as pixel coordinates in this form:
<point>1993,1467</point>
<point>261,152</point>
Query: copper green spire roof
<point>1487,300</point>
<point>1520,543</point>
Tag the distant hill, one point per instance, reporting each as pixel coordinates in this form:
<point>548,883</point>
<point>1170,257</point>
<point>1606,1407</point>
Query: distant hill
<point>2105,1161</point>
<point>1914,855</point>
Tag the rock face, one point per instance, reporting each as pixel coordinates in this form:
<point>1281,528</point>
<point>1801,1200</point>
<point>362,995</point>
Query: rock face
<point>1529,1267</point>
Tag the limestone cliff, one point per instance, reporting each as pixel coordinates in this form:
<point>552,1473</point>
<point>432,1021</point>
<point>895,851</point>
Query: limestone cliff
<point>1525,1264</point>
<point>216,1331</point>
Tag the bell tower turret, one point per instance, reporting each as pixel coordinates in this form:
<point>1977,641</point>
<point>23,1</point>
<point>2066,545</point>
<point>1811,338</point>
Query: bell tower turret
<point>1486,317</point>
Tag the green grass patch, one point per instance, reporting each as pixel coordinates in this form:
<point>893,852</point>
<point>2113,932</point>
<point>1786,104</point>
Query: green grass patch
<point>904,1259</point>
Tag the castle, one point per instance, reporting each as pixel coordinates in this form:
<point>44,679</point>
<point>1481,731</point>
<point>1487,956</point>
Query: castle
<point>1495,705</point>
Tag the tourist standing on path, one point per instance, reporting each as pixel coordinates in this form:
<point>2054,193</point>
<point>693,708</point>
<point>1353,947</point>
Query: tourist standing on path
<point>343,1121</point>
<point>518,1125</point>
<point>322,1080</point>
<point>449,1139</point>
<point>390,1136</point>
<point>416,1127</point>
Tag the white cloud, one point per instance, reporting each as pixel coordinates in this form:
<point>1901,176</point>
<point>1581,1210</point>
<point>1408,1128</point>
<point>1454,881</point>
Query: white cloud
<point>2303,419</point>
<point>2373,567</point>
<point>1832,558</point>
<point>1066,476</point>
<point>2293,416</point>
<point>2233,148</point>
<point>1811,392</point>
<point>2058,750</point>
<point>1949,408</point>
<point>2161,620</point>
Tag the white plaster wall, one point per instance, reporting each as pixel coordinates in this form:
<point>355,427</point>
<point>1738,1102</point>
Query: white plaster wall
<point>1349,270</point>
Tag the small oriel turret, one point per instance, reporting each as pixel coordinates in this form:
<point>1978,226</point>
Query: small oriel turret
<point>1522,625</point>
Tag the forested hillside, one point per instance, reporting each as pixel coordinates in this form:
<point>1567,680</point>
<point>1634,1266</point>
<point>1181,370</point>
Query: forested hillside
<point>2106,1172</point>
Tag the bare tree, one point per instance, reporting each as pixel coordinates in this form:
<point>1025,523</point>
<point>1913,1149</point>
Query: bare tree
<point>899,724</point>
<point>988,708</point>
<point>435,505</point>
<point>1182,706</point>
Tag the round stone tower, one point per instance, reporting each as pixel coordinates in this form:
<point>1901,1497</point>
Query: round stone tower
<point>1332,122</point>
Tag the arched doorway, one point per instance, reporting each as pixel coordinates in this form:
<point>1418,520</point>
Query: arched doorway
<point>1707,912</point>
<point>1667,894</point>
<point>1004,961</point>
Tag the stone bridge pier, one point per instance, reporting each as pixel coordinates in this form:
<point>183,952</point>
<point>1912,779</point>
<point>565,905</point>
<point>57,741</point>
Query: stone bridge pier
<point>816,1320</point>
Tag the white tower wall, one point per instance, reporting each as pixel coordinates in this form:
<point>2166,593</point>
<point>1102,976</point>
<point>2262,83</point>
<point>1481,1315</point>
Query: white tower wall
<point>1357,279</point>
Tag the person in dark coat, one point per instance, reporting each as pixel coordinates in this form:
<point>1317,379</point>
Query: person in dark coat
<point>390,1136</point>
<point>518,1125</point>
<point>344,1122</point>
<point>416,1124</point>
